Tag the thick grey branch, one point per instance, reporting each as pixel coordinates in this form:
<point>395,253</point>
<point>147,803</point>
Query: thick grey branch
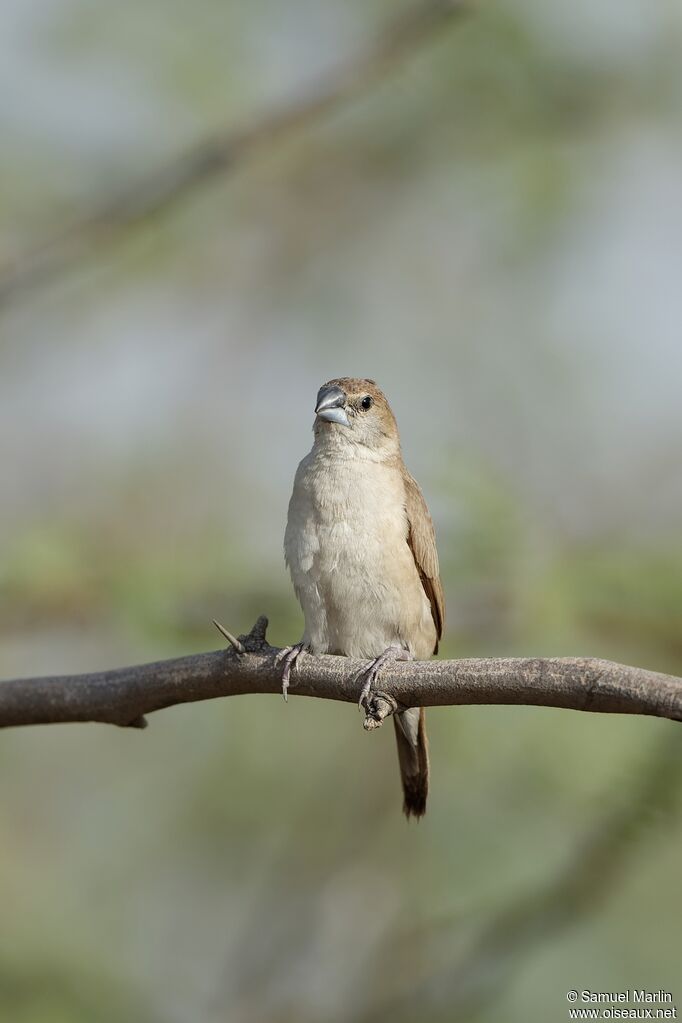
<point>223,153</point>
<point>123,696</point>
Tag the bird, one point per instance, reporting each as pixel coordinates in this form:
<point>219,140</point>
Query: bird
<point>361,551</point>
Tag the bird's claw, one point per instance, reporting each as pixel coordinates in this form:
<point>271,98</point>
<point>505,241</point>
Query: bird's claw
<point>289,655</point>
<point>371,671</point>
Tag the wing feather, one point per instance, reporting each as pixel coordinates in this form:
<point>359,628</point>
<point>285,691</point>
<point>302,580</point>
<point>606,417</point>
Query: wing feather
<point>421,538</point>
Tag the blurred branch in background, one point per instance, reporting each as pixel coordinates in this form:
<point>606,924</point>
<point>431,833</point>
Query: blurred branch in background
<point>225,153</point>
<point>464,986</point>
<point>124,695</point>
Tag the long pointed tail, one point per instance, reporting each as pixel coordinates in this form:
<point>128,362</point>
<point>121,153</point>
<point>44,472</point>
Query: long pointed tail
<point>413,755</point>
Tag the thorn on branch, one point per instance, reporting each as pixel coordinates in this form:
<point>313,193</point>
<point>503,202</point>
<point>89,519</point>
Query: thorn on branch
<point>232,640</point>
<point>378,706</point>
<point>253,642</point>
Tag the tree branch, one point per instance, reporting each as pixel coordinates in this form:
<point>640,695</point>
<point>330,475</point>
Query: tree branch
<point>224,153</point>
<point>123,696</point>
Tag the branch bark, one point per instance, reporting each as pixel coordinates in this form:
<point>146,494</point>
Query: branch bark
<point>123,696</point>
<point>224,153</point>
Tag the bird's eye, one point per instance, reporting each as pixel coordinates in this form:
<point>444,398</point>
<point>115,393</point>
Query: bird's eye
<point>366,402</point>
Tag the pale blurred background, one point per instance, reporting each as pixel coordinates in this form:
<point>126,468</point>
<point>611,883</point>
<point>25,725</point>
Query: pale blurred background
<point>494,233</point>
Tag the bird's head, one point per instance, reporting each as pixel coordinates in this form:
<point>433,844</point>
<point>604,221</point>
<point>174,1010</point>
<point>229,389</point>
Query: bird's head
<point>354,412</point>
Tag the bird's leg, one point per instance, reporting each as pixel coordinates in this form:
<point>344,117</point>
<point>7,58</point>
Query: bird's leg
<point>289,655</point>
<point>370,672</point>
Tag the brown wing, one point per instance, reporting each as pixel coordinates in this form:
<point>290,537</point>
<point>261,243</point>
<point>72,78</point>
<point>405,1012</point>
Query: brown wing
<point>422,541</point>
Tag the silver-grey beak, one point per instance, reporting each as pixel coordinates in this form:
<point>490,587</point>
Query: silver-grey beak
<point>330,402</point>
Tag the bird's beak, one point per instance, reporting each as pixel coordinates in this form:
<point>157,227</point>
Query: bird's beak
<point>330,402</point>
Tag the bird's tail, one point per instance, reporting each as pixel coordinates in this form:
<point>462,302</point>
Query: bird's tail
<point>413,756</point>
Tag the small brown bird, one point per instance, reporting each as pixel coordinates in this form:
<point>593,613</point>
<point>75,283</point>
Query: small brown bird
<point>361,550</point>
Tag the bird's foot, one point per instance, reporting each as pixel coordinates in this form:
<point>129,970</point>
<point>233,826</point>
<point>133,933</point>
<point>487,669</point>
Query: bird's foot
<point>288,656</point>
<point>371,671</point>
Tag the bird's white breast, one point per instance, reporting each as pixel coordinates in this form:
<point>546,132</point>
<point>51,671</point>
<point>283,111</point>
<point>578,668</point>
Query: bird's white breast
<point>347,551</point>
